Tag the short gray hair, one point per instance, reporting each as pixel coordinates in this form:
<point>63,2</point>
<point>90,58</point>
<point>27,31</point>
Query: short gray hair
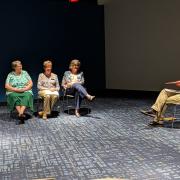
<point>46,63</point>
<point>74,62</point>
<point>15,63</point>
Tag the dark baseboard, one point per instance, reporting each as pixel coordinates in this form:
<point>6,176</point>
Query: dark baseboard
<point>3,103</point>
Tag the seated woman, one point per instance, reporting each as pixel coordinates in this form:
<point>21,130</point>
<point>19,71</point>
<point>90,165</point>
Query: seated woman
<point>74,80</point>
<point>166,96</point>
<point>19,90</point>
<point>48,86</point>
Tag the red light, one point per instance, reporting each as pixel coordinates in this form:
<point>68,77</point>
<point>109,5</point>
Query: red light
<point>73,1</point>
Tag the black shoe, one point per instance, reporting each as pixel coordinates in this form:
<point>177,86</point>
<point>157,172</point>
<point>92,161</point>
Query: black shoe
<point>18,121</point>
<point>149,113</point>
<point>21,120</point>
<point>154,123</point>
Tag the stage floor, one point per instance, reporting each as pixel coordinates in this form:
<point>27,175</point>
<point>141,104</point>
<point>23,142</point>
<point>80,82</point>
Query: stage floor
<point>113,141</point>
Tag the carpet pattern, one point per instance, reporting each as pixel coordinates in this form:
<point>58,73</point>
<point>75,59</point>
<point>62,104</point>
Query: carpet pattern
<point>113,141</point>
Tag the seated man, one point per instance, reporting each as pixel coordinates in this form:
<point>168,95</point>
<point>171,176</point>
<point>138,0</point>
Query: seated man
<point>166,96</point>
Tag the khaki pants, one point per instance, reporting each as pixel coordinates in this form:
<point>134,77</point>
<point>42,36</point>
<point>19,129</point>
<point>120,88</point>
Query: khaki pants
<point>49,101</point>
<point>165,97</point>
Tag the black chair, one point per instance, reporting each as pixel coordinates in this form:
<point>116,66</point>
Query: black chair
<point>175,113</point>
<point>69,102</point>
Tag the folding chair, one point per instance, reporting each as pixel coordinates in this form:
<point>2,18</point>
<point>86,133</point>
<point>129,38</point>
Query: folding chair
<point>67,103</point>
<point>175,113</point>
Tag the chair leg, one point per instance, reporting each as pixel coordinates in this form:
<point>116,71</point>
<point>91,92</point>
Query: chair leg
<point>59,105</point>
<point>86,103</point>
<point>10,115</point>
<point>174,115</point>
<point>63,99</point>
<point>37,105</point>
<point>88,110</point>
<point>67,104</point>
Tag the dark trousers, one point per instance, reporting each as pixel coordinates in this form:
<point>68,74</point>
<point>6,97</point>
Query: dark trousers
<point>80,93</point>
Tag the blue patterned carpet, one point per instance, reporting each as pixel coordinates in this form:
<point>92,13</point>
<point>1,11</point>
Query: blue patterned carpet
<point>113,141</point>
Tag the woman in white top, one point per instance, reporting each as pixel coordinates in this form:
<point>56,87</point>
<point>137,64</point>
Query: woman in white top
<point>48,86</point>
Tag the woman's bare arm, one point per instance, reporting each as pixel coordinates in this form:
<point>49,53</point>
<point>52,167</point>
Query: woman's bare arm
<point>29,86</point>
<point>12,89</point>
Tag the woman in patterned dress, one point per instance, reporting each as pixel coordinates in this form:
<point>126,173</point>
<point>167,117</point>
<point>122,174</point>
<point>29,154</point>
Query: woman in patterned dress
<point>19,90</point>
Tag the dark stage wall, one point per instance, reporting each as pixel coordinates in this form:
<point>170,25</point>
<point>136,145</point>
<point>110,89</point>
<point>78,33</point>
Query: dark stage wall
<point>34,30</point>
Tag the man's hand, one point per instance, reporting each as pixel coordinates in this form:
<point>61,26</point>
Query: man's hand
<point>178,83</point>
<point>174,82</point>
